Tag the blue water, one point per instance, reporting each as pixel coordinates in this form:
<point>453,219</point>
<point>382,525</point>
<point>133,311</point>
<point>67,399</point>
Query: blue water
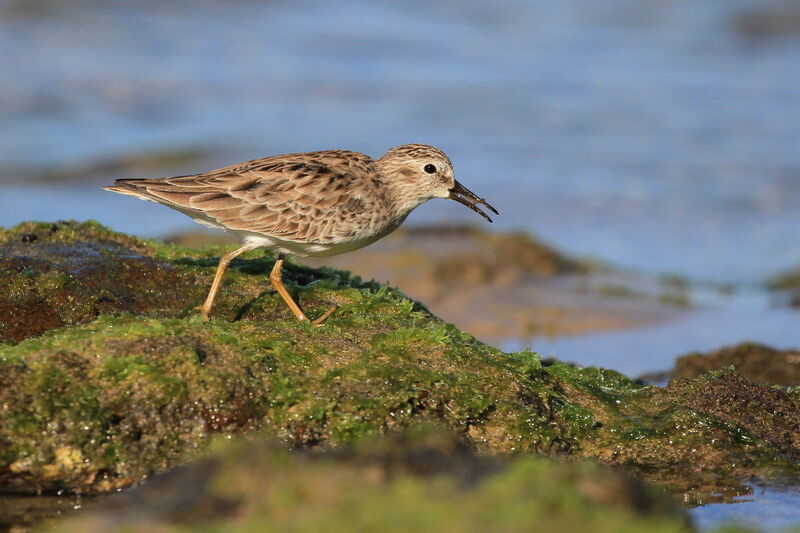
<point>653,349</point>
<point>651,135</point>
<point>767,507</point>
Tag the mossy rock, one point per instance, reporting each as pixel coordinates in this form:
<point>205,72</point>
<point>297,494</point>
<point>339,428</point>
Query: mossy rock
<point>120,392</point>
<point>99,405</point>
<point>757,362</point>
<point>415,482</point>
<point>67,273</point>
<point>787,283</point>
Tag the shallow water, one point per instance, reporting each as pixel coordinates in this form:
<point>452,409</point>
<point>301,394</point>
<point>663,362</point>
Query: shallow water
<point>772,507</point>
<point>652,135</point>
<point>653,349</point>
<point>21,513</point>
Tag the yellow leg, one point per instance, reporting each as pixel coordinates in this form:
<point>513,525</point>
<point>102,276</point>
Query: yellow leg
<point>224,261</point>
<point>277,282</point>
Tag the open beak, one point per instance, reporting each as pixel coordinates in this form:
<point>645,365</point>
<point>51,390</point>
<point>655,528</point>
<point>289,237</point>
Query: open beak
<point>462,195</point>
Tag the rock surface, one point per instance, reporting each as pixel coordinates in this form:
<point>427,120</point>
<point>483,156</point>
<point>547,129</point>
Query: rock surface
<point>417,481</point>
<point>786,287</point>
<point>99,395</point>
<point>755,361</point>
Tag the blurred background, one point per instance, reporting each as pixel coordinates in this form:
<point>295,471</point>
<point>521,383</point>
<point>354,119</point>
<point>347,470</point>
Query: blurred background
<point>661,138</point>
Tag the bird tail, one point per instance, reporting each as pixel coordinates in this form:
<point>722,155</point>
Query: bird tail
<point>129,187</point>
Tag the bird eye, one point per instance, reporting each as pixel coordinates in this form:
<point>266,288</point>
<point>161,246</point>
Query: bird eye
<point>430,169</point>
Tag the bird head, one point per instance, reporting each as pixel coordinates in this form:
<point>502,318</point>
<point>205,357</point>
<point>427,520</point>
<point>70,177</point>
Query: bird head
<point>419,172</point>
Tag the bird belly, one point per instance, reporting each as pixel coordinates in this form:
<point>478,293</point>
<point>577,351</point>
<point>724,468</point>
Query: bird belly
<point>299,249</point>
<point>315,249</point>
<point>307,249</point>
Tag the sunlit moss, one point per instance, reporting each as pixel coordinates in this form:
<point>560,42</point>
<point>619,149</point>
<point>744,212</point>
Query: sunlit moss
<point>417,482</point>
<point>140,384</point>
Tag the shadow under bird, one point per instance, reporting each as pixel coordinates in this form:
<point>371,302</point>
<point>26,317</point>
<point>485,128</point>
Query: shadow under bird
<point>308,204</point>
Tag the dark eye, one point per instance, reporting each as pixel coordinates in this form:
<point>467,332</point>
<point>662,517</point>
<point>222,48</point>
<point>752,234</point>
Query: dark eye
<point>430,169</point>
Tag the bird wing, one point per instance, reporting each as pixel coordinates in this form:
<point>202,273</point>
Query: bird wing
<point>296,197</point>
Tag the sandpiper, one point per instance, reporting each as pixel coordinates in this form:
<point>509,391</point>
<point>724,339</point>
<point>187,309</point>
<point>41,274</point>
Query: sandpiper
<point>308,204</point>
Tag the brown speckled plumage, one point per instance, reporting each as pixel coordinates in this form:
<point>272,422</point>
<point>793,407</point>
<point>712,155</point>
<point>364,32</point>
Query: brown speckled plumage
<point>311,197</point>
<point>313,203</point>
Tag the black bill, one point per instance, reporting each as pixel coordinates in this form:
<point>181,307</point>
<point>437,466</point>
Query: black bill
<point>462,195</point>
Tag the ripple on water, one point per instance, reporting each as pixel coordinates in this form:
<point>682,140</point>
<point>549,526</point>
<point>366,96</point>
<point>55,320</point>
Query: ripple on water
<point>770,506</point>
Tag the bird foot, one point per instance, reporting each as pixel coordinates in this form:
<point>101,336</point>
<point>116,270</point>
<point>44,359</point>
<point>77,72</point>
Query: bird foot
<point>320,321</point>
<point>205,313</point>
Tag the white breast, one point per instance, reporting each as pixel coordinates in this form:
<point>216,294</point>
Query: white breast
<point>306,249</point>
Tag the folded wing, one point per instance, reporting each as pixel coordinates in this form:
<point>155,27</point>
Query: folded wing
<point>296,197</point>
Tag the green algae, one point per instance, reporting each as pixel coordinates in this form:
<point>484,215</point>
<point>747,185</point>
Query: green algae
<point>153,390</point>
<point>71,273</point>
<point>417,481</point>
<point>96,400</point>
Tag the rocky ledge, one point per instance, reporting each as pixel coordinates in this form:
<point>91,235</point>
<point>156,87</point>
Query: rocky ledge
<point>107,375</point>
<point>419,480</point>
<point>755,361</point>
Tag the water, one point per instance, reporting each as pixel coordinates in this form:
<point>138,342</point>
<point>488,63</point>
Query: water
<point>653,349</point>
<point>651,135</point>
<point>768,507</point>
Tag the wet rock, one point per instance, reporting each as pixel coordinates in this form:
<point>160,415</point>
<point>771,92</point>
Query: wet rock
<point>698,437</point>
<point>24,513</point>
<point>67,273</point>
<point>420,483</point>
<point>92,401</point>
<point>763,414</point>
<point>95,407</point>
<point>786,287</point>
<point>493,257</point>
<point>74,272</point>
<point>757,362</point>
<point>770,21</point>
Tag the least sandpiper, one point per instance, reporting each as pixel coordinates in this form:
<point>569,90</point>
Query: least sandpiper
<point>308,204</point>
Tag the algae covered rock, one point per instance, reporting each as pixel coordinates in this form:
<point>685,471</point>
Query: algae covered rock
<point>418,481</point>
<point>755,361</point>
<point>698,436</point>
<point>100,405</point>
<point>786,286</point>
<point>141,386</point>
<point>65,273</point>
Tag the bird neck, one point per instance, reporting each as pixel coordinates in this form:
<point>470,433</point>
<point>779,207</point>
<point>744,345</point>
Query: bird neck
<point>401,195</point>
